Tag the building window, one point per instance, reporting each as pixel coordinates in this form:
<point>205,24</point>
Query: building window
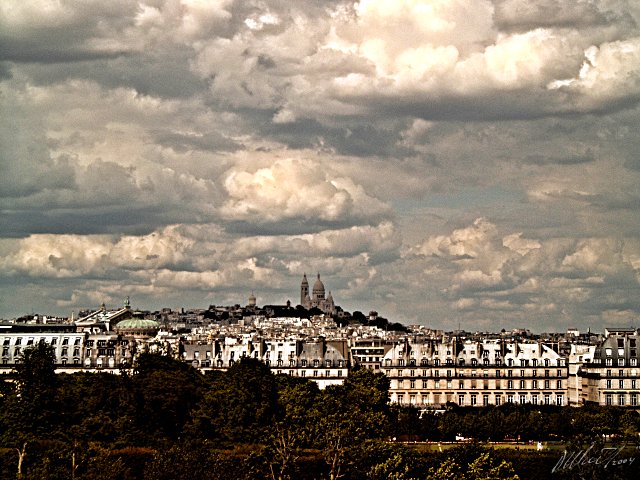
<point>559,384</point>
<point>474,400</point>
<point>621,399</point>
<point>547,399</point>
<point>19,341</point>
<point>546,384</point>
<point>510,398</point>
<point>609,362</point>
<point>510,384</point>
<point>620,383</point>
<point>559,400</point>
<point>534,384</point>
<point>460,400</point>
<point>523,399</point>
<point>534,399</point>
<point>608,383</point>
<point>412,384</point>
<point>522,384</point>
<point>634,399</point>
<point>400,398</point>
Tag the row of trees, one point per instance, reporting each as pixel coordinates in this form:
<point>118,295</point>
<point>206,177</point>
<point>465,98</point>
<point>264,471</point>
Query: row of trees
<point>165,420</point>
<point>516,422</point>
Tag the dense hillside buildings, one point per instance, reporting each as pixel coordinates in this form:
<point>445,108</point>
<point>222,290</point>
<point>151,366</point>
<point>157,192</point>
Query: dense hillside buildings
<point>426,368</point>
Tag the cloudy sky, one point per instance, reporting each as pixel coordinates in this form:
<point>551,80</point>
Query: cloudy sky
<point>444,162</point>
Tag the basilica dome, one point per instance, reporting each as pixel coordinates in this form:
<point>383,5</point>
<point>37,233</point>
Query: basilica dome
<point>318,288</point>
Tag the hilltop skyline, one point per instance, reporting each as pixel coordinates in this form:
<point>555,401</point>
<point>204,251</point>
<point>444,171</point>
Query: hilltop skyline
<point>440,162</point>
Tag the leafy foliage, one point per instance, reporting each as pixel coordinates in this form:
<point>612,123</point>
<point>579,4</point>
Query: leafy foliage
<point>165,420</point>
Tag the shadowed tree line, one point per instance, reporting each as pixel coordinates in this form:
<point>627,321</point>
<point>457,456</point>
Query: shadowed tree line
<point>164,420</point>
<point>514,422</point>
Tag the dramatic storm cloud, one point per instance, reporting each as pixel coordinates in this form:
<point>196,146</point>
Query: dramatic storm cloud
<point>443,162</point>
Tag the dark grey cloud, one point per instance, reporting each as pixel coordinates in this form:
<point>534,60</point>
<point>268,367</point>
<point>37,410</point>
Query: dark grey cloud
<point>517,15</point>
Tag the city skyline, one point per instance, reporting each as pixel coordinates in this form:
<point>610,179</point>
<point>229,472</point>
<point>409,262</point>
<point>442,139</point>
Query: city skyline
<point>440,162</point>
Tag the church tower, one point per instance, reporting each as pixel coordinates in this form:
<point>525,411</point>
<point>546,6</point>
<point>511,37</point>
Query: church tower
<point>304,290</point>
